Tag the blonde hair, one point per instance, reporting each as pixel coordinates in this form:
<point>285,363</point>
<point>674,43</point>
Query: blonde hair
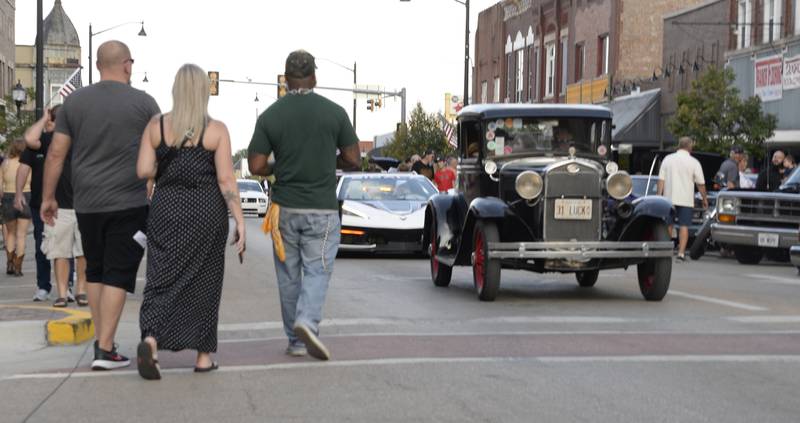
<point>189,102</point>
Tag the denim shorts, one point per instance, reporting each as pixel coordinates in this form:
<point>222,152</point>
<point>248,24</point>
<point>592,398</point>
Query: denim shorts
<point>683,217</point>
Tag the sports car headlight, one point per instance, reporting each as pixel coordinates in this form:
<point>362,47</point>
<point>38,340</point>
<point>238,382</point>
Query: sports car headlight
<point>350,212</point>
<point>529,185</point>
<point>619,185</point>
<point>727,206</point>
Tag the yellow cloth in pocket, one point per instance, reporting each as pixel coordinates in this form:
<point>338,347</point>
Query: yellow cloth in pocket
<point>271,226</point>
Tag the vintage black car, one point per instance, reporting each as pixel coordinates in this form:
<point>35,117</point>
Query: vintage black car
<point>536,191</point>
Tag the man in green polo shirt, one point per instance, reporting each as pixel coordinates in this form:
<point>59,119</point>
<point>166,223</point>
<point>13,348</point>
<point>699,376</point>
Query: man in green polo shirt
<point>303,131</point>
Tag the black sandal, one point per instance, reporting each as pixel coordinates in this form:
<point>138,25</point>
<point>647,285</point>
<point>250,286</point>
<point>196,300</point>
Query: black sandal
<point>82,300</point>
<point>148,366</point>
<point>214,366</point>
<point>60,302</point>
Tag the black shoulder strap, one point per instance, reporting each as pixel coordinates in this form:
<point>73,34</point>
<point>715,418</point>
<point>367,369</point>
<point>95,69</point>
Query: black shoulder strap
<point>161,127</point>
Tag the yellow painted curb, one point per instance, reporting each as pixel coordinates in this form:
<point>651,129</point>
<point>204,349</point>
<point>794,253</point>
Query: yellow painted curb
<point>74,329</point>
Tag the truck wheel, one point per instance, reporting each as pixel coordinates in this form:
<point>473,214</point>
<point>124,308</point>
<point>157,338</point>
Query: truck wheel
<point>655,273</point>
<point>440,273</point>
<point>485,271</point>
<point>588,278</point>
<point>748,255</point>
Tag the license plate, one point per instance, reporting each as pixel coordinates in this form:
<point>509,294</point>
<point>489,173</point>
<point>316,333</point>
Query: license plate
<point>573,209</point>
<point>768,240</point>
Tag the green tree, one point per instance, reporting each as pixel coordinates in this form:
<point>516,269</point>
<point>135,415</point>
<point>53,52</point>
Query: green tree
<point>716,117</point>
<point>423,132</point>
<point>239,155</point>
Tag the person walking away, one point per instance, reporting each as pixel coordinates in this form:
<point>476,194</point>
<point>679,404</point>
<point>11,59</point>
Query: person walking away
<point>425,165</point>
<point>769,179</point>
<point>744,181</point>
<point>303,130</point>
<point>62,241</point>
<point>103,124</point>
<point>678,175</point>
<point>728,174</point>
<point>16,221</point>
<point>445,178</point>
<point>190,155</point>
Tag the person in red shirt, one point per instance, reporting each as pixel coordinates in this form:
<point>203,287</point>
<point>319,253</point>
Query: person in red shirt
<point>445,178</point>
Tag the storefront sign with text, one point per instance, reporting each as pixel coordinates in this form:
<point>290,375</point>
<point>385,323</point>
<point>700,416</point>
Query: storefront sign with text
<point>769,78</point>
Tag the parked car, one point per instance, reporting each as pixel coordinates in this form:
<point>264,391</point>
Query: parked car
<point>383,212</point>
<point>536,191</point>
<point>755,223</point>
<point>253,197</point>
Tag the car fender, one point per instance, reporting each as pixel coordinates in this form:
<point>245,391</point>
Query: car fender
<point>449,212</point>
<point>484,208</point>
<point>645,211</point>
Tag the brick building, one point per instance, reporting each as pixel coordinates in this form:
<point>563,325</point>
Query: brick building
<point>7,81</point>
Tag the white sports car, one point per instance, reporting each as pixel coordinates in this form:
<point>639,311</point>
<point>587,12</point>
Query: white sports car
<point>254,200</point>
<point>383,212</point>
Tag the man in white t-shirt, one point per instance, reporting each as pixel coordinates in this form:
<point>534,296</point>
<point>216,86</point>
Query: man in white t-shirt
<point>679,173</point>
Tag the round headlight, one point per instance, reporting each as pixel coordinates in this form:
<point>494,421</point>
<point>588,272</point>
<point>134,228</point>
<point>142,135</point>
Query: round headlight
<point>529,185</point>
<point>619,185</point>
<point>490,167</point>
<point>612,167</point>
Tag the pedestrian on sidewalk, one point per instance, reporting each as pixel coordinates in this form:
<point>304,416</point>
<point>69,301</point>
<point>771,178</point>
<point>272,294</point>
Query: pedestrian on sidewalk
<point>424,166</point>
<point>62,242</point>
<point>679,174</point>
<point>103,124</point>
<point>189,155</point>
<point>727,176</point>
<point>770,178</point>
<point>16,221</point>
<point>446,177</point>
<point>303,130</point>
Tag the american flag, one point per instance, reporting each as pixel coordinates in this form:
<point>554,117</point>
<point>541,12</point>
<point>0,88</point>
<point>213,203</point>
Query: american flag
<point>72,83</point>
<point>450,133</point>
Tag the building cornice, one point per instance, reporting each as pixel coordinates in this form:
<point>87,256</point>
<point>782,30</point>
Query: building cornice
<point>514,8</point>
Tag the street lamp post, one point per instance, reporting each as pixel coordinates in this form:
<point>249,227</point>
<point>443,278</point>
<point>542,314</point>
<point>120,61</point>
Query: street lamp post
<point>20,97</point>
<point>464,3</point>
<point>92,34</point>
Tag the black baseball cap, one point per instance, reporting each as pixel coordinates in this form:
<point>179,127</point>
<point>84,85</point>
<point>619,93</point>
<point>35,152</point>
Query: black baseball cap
<point>737,149</point>
<point>300,64</point>
<point>429,152</point>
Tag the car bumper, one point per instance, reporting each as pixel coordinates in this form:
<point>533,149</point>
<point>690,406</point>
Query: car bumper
<point>254,208</point>
<point>794,254</point>
<point>579,250</point>
<point>749,235</point>
<point>381,240</point>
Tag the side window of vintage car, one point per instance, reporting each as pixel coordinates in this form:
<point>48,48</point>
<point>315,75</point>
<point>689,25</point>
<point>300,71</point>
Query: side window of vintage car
<point>470,137</point>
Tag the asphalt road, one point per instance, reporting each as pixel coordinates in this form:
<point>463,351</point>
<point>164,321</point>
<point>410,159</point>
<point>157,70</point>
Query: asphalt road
<point>724,345</point>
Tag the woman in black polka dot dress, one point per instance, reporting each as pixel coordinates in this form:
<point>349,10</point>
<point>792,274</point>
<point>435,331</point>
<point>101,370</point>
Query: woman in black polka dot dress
<point>189,156</point>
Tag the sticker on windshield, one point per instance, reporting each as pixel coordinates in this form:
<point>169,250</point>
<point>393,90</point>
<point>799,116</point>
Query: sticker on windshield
<point>492,126</point>
<point>509,123</point>
<point>499,123</point>
<point>491,145</point>
<point>489,135</point>
<point>508,149</point>
<point>602,150</point>
<point>517,123</point>
<point>500,146</point>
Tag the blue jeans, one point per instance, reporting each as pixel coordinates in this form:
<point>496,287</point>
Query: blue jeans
<point>311,242</point>
<point>42,263</point>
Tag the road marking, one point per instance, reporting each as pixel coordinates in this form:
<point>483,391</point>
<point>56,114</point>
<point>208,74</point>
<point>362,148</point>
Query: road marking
<point>437,360</point>
<point>776,279</point>
<point>555,319</point>
<point>27,285</point>
<point>765,319</point>
<point>717,301</point>
<point>330,323</point>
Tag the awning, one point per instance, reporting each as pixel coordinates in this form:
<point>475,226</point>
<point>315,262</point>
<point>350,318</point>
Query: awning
<point>785,136</point>
<point>637,119</point>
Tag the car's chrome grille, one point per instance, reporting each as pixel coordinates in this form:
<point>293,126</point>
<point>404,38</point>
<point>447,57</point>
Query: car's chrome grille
<point>771,208</point>
<point>583,185</point>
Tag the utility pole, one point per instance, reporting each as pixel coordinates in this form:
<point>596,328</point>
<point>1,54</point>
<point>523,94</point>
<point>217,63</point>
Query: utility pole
<point>355,102</point>
<point>39,60</point>
<point>466,58</point>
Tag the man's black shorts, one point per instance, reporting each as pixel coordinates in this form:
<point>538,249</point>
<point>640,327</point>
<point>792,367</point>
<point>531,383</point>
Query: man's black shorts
<point>112,255</point>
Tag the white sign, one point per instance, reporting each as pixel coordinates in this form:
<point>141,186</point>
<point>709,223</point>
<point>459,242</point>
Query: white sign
<point>791,73</point>
<point>769,78</point>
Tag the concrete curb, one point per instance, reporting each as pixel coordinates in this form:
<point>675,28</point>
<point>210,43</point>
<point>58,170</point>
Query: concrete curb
<point>76,328</point>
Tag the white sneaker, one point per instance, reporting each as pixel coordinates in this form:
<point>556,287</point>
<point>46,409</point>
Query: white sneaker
<point>314,346</point>
<point>296,351</point>
<point>41,295</point>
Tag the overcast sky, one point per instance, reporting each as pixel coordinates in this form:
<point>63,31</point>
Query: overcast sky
<point>417,45</point>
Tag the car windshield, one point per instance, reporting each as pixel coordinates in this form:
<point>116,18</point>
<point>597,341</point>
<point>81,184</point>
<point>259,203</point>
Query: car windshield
<point>793,179</point>
<point>640,186</point>
<point>544,136</point>
<point>382,189</point>
<point>245,186</point>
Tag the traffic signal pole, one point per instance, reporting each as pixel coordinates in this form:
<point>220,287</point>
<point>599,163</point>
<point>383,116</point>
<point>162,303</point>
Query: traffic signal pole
<point>401,93</point>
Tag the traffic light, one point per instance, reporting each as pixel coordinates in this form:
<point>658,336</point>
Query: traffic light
<point>213,79</point>
<point>281,86</point>
<point>371,105</point>
<point>378,103</point>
